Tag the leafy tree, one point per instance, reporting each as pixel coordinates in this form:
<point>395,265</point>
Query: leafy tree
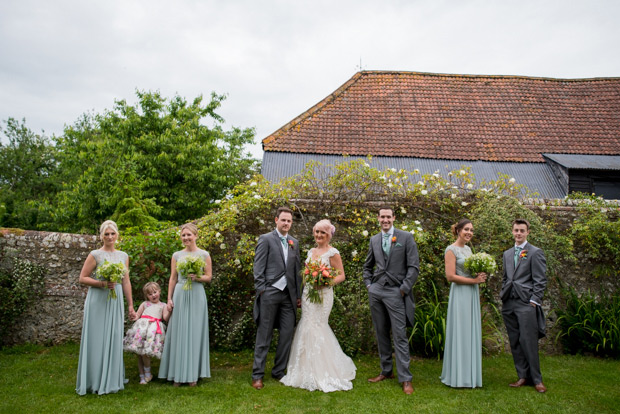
<point>153,161</point>
<point>27,166</point>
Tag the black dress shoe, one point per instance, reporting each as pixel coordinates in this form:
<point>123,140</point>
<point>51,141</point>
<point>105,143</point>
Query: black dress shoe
<point>277,377</point>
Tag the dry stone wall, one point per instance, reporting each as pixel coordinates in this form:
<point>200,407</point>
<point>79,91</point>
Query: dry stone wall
<point>56,317</point>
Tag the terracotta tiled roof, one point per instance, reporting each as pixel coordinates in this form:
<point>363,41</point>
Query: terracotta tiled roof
<point>466,117</point>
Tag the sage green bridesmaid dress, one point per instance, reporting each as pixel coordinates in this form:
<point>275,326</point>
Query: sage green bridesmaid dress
<point>186,349</point>
<point>462,358</point>
<point>101,369</point>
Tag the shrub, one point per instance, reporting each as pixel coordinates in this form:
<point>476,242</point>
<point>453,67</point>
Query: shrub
<point>590,324</point>
<point>20,285</point>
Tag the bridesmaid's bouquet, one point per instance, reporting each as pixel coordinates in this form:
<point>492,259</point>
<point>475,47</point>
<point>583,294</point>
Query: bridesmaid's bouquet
<point>480,262</point>
<point>317,275</point>
<point>112,272</point>
<point>190,265</point>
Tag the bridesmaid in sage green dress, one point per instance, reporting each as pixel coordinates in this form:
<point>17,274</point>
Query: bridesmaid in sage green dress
<point>462,358</point>
<point>186,351</point>
<point>101,369</point>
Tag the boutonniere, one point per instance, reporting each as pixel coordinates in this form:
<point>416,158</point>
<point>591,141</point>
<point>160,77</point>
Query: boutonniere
<point>523,254</point>
<point>394,239</point>
<point>291,244</point>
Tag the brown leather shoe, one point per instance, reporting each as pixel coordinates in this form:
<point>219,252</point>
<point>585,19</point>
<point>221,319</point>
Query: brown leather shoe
<point>540,387</point>
<point>407,387</point>
<point>380,378</point>
<point>257,383</point>
<point>520,383</point>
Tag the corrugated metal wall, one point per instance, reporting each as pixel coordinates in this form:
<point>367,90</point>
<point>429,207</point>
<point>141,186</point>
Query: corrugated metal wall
<point>538,177</point>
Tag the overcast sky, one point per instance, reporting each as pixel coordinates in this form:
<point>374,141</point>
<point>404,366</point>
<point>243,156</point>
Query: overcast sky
<point>275,59</point>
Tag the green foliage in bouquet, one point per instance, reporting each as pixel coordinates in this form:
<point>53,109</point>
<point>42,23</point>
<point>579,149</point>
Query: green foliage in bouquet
<point>112,272</point>
<point>480,263</point>
<point>190,265</point>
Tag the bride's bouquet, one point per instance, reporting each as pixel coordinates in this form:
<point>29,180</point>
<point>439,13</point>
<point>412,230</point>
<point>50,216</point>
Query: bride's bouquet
<point>190,265</point>
<point>112,272</point>
<point>317,275</point>
<point>480,262</point>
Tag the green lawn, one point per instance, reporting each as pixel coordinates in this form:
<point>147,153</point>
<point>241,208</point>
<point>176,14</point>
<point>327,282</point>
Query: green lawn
<point>42,379</point>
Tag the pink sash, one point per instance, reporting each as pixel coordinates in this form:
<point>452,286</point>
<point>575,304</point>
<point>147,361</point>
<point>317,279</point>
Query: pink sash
<point>150,318</point>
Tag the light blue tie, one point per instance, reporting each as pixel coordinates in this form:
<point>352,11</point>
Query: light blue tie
<point>283,240</point>
<point>517,251</point>
<point>386,243</point>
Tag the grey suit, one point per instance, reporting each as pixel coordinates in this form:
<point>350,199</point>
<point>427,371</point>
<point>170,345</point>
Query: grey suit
<point>386,276</point>
<point>274,308</point>
<point>521,284</point>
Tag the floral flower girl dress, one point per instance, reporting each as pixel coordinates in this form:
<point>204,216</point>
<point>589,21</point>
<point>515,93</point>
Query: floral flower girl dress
<point>146,336</point>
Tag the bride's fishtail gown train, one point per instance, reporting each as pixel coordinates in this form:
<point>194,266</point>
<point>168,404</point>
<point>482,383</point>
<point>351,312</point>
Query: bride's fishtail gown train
<point>316,360</point>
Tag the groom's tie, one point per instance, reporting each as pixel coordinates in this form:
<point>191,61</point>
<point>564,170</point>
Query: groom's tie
<point>517,252</point>
<point>386,243</point>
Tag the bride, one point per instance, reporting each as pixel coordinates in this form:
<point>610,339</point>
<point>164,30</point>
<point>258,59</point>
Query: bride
<point>316,361</point>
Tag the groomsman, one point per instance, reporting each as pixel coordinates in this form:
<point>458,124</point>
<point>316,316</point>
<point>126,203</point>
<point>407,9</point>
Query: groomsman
<point>391,268</point>
<point>277,281</point>
<point>523,286</point>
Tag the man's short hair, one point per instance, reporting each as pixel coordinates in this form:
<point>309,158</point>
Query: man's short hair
<point>521,221</point>
<point>283,210</point>
<point>385,207</point>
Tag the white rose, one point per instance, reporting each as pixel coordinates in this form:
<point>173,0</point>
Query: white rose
<point>462,172</point>
<point>417,222</point>
<point>470,186</point>
<point>424,192</point>
<point>354,253</point>
<point>512,181</point>
<point>253,183</point>
<point>416,171</point>
<point>365,233</point>
<point>453,196</point>
<point>223,246</point>
<point>464,203</point>
<point>218,235</point>
<point>256,196</point>
<point>420,229</point>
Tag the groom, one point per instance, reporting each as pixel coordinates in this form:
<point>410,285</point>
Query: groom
<point>391,268</point>
<point>277,281</point>
<point>523,286</point>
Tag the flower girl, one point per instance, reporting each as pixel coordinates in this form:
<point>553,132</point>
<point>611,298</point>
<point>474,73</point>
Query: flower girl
<point>146,337</point>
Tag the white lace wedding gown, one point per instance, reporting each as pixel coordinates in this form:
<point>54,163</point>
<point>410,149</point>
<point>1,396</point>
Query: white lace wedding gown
<point>316,361</point>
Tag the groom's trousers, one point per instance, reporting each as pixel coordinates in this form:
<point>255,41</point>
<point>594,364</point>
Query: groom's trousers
<point>387,308</point>
<point>277,310</point>
<point>522,328</point>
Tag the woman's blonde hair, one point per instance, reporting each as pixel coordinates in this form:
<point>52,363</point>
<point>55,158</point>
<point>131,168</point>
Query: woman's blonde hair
<point>105,225</point>
<point>150,287</point>
<point>326,226</point>
<point>191,227</point>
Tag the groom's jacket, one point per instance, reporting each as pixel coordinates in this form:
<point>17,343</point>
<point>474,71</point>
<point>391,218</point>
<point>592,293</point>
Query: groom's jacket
<point>269,266</point>
<point>399,268</point>
<point>528,279</point>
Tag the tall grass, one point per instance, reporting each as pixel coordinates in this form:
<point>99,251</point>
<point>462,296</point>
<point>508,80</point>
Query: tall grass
<point>590,324</point>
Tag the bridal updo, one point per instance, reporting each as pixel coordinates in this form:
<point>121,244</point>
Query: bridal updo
<point>456,228</point>
<point>326,226</point>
